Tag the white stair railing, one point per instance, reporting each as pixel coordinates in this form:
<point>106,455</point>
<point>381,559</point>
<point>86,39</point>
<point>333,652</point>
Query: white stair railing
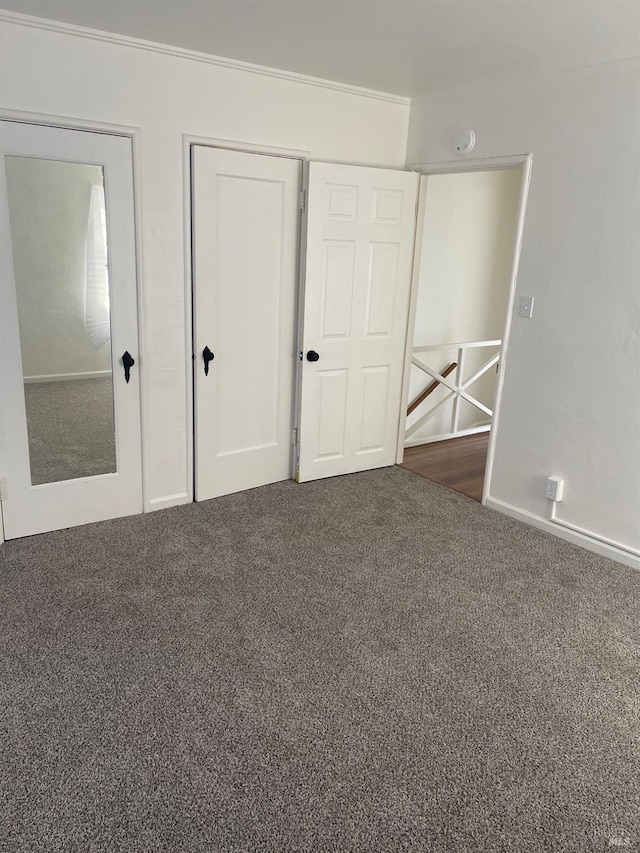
<point>458,387</point>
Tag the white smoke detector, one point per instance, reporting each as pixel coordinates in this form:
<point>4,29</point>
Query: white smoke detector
<point>463,141</point>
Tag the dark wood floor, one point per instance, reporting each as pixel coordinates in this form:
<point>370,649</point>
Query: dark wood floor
<point>458,463</point>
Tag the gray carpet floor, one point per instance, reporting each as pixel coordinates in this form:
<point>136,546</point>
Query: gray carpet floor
<point>369,663</point>
<point>71,429</point>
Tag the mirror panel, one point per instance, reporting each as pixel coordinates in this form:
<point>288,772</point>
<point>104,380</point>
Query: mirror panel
<point>60,259</point>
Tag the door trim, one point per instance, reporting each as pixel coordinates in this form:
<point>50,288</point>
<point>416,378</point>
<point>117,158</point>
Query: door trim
<point>188,141</point>
<point>478,164</point>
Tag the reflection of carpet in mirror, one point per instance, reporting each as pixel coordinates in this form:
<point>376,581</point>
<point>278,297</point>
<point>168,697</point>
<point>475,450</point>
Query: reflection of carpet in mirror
<point>71,429</point>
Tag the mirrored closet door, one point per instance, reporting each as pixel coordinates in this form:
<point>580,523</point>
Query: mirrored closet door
<point>70,447</point>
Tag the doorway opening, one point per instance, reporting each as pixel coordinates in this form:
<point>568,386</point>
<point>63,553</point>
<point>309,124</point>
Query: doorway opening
<point>467,246</point>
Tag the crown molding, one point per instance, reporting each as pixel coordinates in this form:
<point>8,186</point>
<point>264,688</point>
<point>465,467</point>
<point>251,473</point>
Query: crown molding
<point>32,22</point>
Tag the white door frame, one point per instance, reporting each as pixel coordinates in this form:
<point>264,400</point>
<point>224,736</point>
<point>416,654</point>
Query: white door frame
<point>133,133</point>
<point>456,167</point>
<point>188,140</point>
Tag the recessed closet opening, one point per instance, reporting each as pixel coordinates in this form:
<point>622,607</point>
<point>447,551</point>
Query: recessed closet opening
<point>292,380</point>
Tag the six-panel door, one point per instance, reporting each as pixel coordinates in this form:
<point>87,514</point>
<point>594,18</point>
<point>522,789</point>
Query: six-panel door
<point>70,444</point>
<point>360,237</point>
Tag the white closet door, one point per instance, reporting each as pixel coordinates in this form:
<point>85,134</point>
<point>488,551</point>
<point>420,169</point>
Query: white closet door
<point>245,252</point>
<point>360,235</point>
<point>70,447</point>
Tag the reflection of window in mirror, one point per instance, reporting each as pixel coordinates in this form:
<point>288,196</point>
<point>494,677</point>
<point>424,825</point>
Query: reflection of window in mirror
<point>96,312</point>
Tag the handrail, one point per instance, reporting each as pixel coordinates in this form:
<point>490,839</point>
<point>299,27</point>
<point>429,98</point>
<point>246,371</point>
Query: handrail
<point>422,396</point>
<point>464,345</point>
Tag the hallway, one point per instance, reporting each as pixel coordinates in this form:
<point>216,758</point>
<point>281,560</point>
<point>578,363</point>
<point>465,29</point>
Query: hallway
<point>457,463</point>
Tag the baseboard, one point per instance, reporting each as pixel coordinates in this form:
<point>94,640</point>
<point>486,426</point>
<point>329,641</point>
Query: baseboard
<point>167,501</point>
<point>65,377</point>
<point>591,543</point>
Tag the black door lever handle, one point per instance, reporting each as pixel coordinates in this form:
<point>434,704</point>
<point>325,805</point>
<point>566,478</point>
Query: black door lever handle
<point>127,362</point>
<point>208,357</point>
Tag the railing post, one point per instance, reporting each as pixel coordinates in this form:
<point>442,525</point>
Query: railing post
<point>455,419</point>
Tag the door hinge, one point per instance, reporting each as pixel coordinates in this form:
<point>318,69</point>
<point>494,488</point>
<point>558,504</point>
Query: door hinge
<point>303,200</point>
<point>3,489</point>
<point>294,435</point>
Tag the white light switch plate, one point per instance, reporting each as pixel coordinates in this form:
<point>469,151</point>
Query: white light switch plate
<point>526,307</point>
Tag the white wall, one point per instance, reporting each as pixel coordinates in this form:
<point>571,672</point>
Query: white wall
<point>166,95</point>
<point>48,211</point>
<point>571,403</point>
<point>464,276</point>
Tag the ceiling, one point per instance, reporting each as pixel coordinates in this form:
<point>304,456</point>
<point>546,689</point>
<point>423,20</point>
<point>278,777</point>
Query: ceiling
<point>406,47</point>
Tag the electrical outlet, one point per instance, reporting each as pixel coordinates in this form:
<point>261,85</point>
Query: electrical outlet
<point>555,488</point>
<point>526,307</point>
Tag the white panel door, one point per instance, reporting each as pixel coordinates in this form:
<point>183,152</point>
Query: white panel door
<point>245,254</point>
<point>360,235</point>
<point>70,445</point>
